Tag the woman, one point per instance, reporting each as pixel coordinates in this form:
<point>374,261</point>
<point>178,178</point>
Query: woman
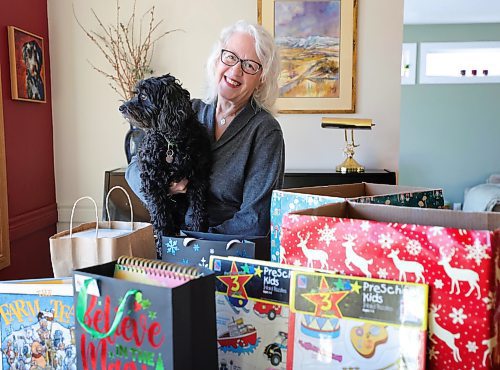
<point>247,142</point>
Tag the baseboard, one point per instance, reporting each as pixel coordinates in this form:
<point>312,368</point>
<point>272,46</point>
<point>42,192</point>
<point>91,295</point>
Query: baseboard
<point>29,222</point>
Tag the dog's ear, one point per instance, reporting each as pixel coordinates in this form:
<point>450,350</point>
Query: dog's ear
<point>39,58</point>
<point>176,103</point>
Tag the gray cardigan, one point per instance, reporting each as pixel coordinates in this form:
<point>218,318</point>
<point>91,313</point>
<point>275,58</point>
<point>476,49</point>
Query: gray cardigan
<point>248,164</point>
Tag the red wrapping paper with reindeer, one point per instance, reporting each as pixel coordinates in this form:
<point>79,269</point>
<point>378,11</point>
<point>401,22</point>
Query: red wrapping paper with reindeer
<point>456,253</point>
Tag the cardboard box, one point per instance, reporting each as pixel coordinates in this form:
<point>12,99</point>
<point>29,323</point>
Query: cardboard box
<point>295,199</point>
<point>258,329</point>
<point>252,299</point>
<point>456,253</point>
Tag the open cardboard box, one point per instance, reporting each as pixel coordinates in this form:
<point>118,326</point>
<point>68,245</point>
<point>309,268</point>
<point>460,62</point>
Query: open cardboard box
<point>294,199</point>
<point>408,215</point>
<point>361,190</point>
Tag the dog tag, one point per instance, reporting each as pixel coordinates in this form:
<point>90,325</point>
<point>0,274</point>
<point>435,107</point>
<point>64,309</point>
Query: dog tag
<point>170,156</point>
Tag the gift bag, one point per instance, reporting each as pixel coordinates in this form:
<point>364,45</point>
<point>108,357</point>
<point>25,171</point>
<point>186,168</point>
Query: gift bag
<point>149,324</point>
<point>195,248</point>
<point>99,242</point>
<point>456,253</point>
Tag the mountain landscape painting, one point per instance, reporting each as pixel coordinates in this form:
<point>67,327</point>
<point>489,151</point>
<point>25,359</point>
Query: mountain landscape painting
<point>308,34</point>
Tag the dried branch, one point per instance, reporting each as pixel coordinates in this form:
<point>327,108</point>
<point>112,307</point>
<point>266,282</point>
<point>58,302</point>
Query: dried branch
<point>128,55</point>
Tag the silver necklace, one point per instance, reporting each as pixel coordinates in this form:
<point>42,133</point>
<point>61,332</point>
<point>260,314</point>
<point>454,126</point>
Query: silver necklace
<point>223,120</point>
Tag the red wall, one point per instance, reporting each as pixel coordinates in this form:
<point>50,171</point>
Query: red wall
<point>29,154</point>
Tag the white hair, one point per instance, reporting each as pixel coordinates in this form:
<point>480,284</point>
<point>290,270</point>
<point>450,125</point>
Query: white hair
<point>267,92</point>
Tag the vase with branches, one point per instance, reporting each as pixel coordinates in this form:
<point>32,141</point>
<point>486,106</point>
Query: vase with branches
<point>128,48</point>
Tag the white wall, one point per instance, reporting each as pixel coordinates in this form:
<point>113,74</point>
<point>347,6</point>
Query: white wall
<point>89,131</point>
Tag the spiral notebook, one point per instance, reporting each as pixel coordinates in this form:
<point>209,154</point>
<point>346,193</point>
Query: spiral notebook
<point>154,272</point>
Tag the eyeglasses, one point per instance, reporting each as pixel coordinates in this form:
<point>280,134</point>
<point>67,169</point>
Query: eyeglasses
<point>247,65</point>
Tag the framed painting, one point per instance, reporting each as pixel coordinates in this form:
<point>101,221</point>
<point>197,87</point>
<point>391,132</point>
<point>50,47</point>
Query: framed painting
<point>27,66</point>
<point>317,41</point>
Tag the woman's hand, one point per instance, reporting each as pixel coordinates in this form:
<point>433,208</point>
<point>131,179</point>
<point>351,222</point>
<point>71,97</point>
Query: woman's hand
<point>178,187</point>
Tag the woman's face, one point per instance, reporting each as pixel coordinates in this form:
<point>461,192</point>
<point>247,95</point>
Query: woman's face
<point>234,84</point>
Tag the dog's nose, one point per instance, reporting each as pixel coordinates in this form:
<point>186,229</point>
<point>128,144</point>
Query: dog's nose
<point>122,108</point>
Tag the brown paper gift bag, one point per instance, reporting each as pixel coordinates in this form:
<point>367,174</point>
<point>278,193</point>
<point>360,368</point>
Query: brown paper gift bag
<point>98,242</point>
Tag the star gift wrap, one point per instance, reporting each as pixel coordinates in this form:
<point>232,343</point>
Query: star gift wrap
<point>454,252</point>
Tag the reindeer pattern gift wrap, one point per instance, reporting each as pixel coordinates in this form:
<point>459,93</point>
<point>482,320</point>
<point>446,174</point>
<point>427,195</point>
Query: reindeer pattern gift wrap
<point>290,200</point>
<point>456,253</point>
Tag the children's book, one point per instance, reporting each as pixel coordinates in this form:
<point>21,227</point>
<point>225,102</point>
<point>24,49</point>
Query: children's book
<point>252,312</point>
<point>37,326</point>
<point>342,322</point>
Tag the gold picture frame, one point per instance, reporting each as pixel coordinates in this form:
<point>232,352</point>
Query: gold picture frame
<point>317,40</point>
<point>27,66</point>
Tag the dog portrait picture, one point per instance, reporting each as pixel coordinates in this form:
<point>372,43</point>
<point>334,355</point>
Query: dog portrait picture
<point>27,69</point>
<point>175,147</point>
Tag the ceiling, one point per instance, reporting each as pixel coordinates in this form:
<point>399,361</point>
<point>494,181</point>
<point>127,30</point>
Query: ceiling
<point>451,11</point>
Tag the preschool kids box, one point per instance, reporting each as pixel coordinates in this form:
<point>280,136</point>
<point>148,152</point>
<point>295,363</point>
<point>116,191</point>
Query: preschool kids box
<point>339,322</point>
<point>252,313</point>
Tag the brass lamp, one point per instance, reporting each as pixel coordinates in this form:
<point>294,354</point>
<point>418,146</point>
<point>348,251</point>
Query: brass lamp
<point>349,164</point>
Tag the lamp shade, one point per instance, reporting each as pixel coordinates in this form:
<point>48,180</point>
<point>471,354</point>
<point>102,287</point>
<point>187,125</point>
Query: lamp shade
<point>347,123</point>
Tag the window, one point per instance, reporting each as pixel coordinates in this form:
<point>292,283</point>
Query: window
<point>459,62</point>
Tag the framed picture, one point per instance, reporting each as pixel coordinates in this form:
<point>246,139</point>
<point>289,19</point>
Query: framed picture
<point>27,65</point>
<point>317,41</point>
<point>408,63</point>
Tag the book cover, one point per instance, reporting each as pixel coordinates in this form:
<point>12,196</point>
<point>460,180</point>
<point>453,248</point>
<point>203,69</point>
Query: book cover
<point>37,324</point>
<point>252,313</point>
<point>343,322</point>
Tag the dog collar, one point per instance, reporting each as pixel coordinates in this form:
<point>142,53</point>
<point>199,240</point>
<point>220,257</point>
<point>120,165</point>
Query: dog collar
<point>169,157</point>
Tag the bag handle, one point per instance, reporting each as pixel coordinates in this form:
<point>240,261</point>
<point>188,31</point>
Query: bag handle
<point>73,212</point>
<point>81,306</point>
<point>186,241</point>
<point>129,202</point>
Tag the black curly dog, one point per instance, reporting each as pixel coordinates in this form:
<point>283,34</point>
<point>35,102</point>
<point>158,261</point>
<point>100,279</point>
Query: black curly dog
<point>175,147</point>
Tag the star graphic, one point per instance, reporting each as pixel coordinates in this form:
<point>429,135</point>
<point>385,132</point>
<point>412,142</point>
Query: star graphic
<point>355,287</point>
<point>258,271</point>
<point>245,268</point>
<point>235,282</point>
<point>152,315</point>
<point>146,303</point>
<point>347,285</point>
<point>339,284</point>
<point>326,301</point>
